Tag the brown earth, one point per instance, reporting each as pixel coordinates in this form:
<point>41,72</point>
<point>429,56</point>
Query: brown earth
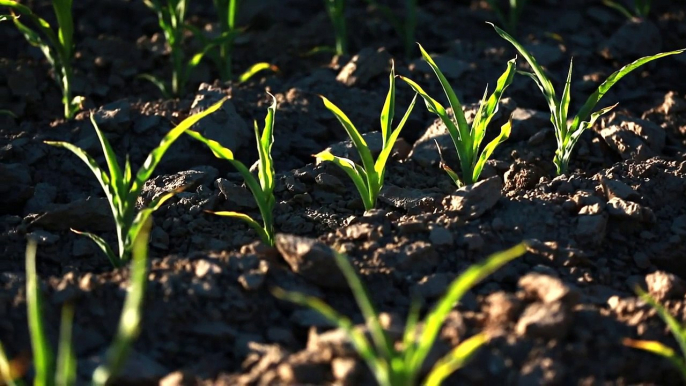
<point>557,315</point>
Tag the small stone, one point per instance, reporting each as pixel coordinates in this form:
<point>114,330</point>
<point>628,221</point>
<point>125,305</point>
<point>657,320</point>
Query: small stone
<point>474,200</point>
<point>641,260</point>
<point>548,289</point>
<point>204,267</point>
<point>330,183</point>
<point>364,66</point>
<point>663,286</point>
<point>547,321</point>
<point>590,230</point>
<point>311,259</point>
<point>440,237</point>
<point>474,241</point>
<point>346,371</point>
<point>159,238</point>
<point>615,188</point>
<point>251,281</point>
<point>627,210</point>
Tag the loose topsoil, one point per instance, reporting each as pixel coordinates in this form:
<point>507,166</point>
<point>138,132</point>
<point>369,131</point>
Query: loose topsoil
<point>556,316</point>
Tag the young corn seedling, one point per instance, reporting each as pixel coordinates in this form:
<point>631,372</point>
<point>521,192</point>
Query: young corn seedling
<point>568,133</point>
<point>369,177</point>
<point>468,140</point>
<point>509,18</point>
<point>122,188</point>
<point>262,190</point>
<point>62,371</point>
<point>679,332</point>
<point>400,365</point>
<point>641,8</point>
<point>57,46</point>
<point>405,27</point>
<point>171,16</point>
<point>336,11</point>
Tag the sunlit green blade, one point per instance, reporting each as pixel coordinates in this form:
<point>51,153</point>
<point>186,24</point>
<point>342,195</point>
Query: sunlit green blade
<point>452,97</point>
<point>619,8</point>
<point>43,357</point>
<point>433,106</point>
<point>564,152</point>
<point>543,81</point>
<point>142,217</point>
<point>563,108</point>
<point>66,25</point>
<point>660,349</point>
<point>355,136</point>
<point>355,174</point>
<point>254,69</point>
<point>116,176</point>
<point>455,359</point>
<point>130,319</point>
<point>677,330</point>
<point>468,279</point>
<point>478,118</point>
<point>380,164</point>
<point>100,242</point>
<point>443,165</point>
<point>264,148</point>
<point>159,83</point>
<point>359,341</point>
<point>66,359</point>
<point>614,78</point>
<point>491,106</point>
<point>100,175</point>
<point>156,155</point>
<point>388,110</point>
<point>10,371</point>
<point>488,150</point>
<point>410,333</point>
<point>220,151</point>
<point>266,238</point>
<point>381,341</point>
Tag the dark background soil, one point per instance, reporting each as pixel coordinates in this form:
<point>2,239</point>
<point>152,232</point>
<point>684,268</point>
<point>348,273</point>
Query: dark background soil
<point>557,315</point>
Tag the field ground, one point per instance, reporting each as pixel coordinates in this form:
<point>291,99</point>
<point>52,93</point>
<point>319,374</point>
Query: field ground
<point>557,316</point>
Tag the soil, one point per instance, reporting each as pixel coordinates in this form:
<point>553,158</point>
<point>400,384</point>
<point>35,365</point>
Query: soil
<point>556,316</point>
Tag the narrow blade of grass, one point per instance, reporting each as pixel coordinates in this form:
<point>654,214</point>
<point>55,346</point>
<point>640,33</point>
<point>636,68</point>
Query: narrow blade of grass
<point>130,319</point>
<point>43,356</point>
<point>66,359</point>
<point>468,279</point>
<point>104,247</point>
<point>356,174</point>
<point>455,359</point>
<point>505,131</point>
<point>248,220</point>
<point>255,69</point>
<point>355,136</point>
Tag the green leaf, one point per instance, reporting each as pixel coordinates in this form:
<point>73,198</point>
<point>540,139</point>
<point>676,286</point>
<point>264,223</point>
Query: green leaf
<point>266,238</point>
<point>142,217</point>
<point>488,150</point>
<point>614,78</point>
<point>156,155</point>
<point>362,345</point>
<point>159,83</point>
<point>66,359</point>
<point>130,318</point>
<point>452,99</point>
<point>355,136</point>
<point>380,165</point>
<point>468,279</point>
<point>104,247</point>
<point>254,69</point>
<point>264,148</point>
<point>116,176</point>
<point>481,121</point>
<point>356,174</point>
<point>388,110</point>
<point>65,23</point>
<point>455,359</point>
<point>43,357</point>
<point>542,80</point>
<point>563,108</point>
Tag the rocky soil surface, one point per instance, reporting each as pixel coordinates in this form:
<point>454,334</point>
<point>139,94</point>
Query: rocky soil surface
<point>557,315</point>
